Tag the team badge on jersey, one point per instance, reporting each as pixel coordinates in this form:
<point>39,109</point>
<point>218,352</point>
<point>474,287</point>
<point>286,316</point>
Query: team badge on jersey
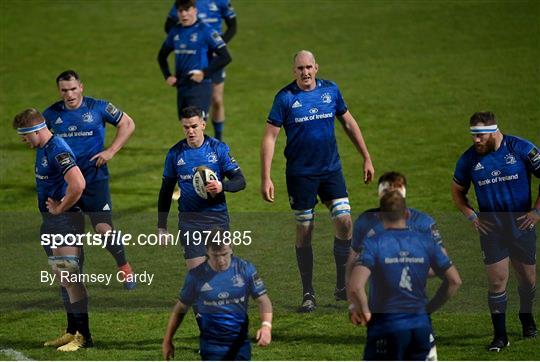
<point>238,281</point>
<point>212,6</point>
<point>193,38</point>
<point>326,98</point>
<point>212,157</point>
<point>112,110</point>
<point>257,281</point>
<point>44,162</point>
<point>510,159</point>
<point>216,36</point>
<point>87,117</point>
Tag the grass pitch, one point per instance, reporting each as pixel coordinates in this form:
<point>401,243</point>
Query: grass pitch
<point>411,73</point>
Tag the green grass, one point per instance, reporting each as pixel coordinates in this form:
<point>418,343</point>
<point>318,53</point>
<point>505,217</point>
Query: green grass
<point>411,73</point>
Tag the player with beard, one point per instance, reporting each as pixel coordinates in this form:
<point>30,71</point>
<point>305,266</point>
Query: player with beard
<point>500,167</point>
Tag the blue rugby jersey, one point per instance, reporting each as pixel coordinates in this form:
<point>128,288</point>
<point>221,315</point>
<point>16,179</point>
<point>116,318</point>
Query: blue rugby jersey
<point>192,46</point>
<point>83,129</point>
<point>181,162</point>
<point>399,260</point>
<point>221,298</point>
<point>501,179</point>
<point>308,119</point>
<point>212,12</point>
<point>53,160</point>
<point>369,224</point>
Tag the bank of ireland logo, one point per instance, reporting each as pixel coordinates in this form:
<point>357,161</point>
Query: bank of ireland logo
<point>313,110</point>
<point>326,98</point>
<point>495,173</point>
<point>223,295</point>
<point>72,128</point>
<point>510,159</point>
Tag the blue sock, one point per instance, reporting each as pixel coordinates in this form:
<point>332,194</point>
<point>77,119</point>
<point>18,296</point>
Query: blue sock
<point>218,129</point>
<point>341,254</point>
<point>497,305</point>
<point>115,247</point>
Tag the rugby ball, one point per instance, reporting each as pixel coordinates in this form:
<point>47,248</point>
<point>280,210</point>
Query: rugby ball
<point>200,178</point>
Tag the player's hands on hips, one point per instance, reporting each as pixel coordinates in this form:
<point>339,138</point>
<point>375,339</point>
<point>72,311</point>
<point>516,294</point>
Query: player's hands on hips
<point>267,190</point>
<point>369,171</point>
<point>168,350</point>
<point>163,237</point>
<point>264,336</point>
<point>529,220</point>
<point>102,157</point>
<point>196,75</point>
<point>53,206</point>
<point>214,187</point>
<point>171,80</point>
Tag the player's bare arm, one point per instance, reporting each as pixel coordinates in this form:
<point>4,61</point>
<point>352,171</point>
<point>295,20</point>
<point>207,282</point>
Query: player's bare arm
<point>459,195</point>
<point>355,134</point>
<point>361,312</point>
<point>447,289</point>
<point>267,154</point>
<point>75,187</point>
<point>530,219</point>
<point>124,130</point>
<point>176,318</point>
<point>264,334</point>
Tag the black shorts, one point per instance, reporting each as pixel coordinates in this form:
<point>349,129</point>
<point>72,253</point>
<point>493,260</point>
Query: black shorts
<point>71,222</point>
<point>409,344</point>
<point>218,76</point>
<point>303,190</point>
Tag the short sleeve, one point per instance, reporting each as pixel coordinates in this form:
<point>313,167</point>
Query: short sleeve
<point>214,40</point>
<point>169,40</point>
<point>109,112</point>
<point>227,10</point>
<point>367,256</point>
<point>188,294</point>
<point>256,284</point>
<point>169,169</point>
<point>65,160</point>
<point>279,112</point>
<point>226,161</point>
<point>462,175</point>
<point>341,107</point>
<point>360,231</point>
<point>439,261</point>
<point>530,155</point>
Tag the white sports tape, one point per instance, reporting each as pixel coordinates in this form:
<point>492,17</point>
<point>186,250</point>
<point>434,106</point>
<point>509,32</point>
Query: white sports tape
<point>68,263</point>
<point>387,186</point>
<point>484,129</point>
<point>304,217</point>
<point>340,207</point>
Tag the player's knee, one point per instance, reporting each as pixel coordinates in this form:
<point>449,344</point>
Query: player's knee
<point>102,228</point>
<point>217,99</point>
<point>340,208</point>
<point>64,266</point>
<point>304,217</point>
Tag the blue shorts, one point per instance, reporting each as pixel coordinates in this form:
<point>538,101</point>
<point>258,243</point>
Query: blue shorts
<point>303,190</point>
<point>96,202</point>
<point>236,351</point>
<point>408,344</point>
<point>218,76</point>
<point>497,246</point>
<point>71,222</point>
<point>191,93</point>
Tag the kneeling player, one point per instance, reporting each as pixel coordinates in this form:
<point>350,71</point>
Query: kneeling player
<point>59,184</point>
<point>398,261</point>
<point>220,289</point>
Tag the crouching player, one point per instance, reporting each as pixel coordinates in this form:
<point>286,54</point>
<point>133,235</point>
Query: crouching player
<point>397,261</point>
<point>220,289</point>
<point>59,184</point>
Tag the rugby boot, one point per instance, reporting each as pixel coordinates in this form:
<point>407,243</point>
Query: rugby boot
<point>131,283</point>
<point>308,303</point>
<point>498,344</point>
<point>60,341</point>
<point>78,342</point>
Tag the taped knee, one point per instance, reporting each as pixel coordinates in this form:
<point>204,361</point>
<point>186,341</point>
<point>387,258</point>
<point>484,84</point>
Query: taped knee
<point>304,217</point>
<point>64,263</point>
<point>340,207</point>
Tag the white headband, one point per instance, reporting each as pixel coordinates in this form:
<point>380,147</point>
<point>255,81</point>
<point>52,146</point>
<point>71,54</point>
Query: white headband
<point>484,129</point>
<point>26,130</point>
<point>384,186</point>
